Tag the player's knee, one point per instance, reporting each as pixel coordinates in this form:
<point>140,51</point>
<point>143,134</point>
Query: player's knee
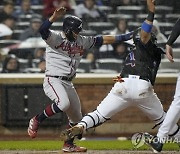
<point>63,106</point>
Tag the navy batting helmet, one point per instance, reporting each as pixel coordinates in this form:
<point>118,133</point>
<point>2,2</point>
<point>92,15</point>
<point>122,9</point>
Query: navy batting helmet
<point>72,24</point>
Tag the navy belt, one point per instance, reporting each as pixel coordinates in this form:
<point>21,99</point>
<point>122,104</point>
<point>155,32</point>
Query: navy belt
<point>61,77</point>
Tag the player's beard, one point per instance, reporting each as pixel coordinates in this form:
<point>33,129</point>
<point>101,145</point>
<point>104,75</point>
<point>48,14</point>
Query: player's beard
<point>70,36</point>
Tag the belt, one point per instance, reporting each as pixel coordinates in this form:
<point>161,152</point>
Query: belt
<point>61,77</point>
<point>135,77</point>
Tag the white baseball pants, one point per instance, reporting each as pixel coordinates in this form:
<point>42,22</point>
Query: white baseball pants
<point>173,114</point>
<point>132,92</point>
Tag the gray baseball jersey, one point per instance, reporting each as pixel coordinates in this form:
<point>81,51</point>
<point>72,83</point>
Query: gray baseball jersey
<point>62,56</point>
<point>62,59</point>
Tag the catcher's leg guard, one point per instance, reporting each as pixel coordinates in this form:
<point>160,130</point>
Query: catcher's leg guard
<point>92,119</point>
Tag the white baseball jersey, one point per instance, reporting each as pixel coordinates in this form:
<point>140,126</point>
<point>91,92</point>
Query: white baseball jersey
<point>63,56</point>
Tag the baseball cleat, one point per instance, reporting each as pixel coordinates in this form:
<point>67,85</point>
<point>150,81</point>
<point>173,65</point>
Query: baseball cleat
<point>33,127</point>
<point>70,133</point>
<point>73,148</point>
<point>153,142</point>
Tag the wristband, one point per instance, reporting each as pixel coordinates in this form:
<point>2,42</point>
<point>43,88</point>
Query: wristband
<point>146,27</point>
<point>150,16</point>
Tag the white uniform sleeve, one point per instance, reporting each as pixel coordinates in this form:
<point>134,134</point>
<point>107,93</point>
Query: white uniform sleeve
<point>88,41</point>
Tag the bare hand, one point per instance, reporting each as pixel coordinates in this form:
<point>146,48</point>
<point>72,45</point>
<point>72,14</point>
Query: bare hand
<point>169,53</point>
<point>151,5</point>
<point>58,13</point>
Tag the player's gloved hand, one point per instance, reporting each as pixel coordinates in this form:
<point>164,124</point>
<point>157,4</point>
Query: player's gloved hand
<point>118,79</point>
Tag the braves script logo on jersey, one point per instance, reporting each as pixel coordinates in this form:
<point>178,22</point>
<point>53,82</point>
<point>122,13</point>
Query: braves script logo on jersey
<point>71,48</point>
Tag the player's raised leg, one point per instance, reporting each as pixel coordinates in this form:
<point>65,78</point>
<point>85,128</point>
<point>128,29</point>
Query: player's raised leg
<point>112,104</point>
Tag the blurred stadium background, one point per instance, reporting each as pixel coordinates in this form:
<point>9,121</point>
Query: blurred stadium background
<point>21,93</point>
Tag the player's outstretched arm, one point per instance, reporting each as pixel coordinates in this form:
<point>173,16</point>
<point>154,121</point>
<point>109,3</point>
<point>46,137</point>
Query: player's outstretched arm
<point>109,39</point>
<point>145,29</point>
<point>148,23</point>
<point>44,29</point>
<point>172,38</point>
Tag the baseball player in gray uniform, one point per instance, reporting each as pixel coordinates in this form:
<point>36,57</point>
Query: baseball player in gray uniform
<point>63,54</point>
<point>173,114</point>
<point>134,86</point>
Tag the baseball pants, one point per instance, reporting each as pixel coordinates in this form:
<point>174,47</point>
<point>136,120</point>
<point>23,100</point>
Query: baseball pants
<point>65,96</point>
<point>131,92</point>
<point>173,114</point>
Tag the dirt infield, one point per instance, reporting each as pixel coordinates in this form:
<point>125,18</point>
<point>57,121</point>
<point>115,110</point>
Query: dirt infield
<point>89,152</point>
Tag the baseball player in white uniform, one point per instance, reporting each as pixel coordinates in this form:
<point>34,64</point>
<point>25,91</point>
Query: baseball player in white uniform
<point>134,86</point>
<point>63,54</point>
<point>173,114</point>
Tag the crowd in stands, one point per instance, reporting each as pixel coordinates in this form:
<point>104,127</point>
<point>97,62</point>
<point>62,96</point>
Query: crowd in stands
<point>23,50</point>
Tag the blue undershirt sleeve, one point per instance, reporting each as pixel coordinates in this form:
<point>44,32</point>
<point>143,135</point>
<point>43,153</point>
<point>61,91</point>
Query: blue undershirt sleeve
<point>44,29</point>
<point>124,37</point>
<point>99,41</point>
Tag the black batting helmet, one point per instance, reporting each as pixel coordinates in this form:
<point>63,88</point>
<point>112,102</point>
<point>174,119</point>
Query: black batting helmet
<point>72,24</point>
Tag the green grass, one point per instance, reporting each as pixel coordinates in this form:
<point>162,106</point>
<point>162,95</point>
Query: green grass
<point>91,145</point>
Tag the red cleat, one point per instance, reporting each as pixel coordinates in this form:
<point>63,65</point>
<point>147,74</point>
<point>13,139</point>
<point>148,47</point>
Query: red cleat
<point>73,148</point>
<point>33,127</point>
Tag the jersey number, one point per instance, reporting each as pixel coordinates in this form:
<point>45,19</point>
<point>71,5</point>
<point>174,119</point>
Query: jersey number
<point>131,59</point>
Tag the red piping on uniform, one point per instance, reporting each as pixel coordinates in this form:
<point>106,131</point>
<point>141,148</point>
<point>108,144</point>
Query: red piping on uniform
<point>54,91</point>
